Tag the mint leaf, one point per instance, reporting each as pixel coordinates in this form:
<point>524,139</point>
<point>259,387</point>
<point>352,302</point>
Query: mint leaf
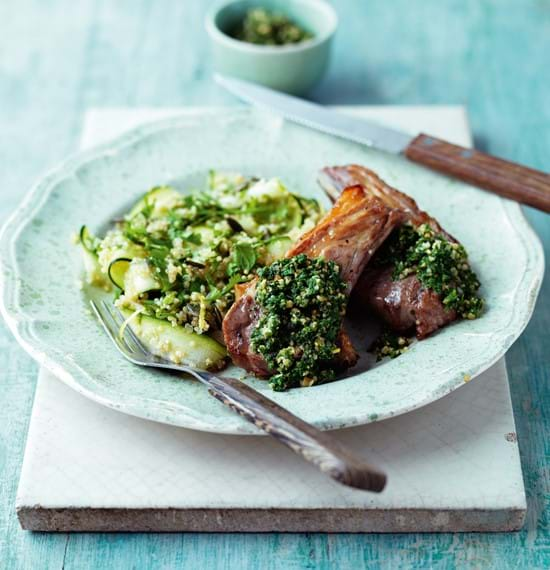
<point>244,256</point>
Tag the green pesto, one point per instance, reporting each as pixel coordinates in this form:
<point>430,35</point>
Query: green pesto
<point>389,344</point>
<point>303,301</point>
<point>439,264</point>
<point>264,27</point>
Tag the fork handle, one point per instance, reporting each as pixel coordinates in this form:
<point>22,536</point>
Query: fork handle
<point>315,446</point>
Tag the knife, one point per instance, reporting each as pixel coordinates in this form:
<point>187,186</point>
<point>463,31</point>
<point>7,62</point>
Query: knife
<point>520,183</point>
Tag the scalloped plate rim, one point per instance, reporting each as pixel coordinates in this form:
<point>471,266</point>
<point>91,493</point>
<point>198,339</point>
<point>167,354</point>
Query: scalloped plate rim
<point>68,372</point>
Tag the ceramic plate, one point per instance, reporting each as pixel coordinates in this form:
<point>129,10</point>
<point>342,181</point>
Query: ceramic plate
<point>48,312</point>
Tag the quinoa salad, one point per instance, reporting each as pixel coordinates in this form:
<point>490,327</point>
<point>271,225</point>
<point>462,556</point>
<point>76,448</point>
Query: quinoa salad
<point>173,261</point>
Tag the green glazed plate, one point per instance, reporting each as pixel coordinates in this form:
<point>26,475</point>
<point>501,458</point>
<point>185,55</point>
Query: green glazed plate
<point>47,311</point>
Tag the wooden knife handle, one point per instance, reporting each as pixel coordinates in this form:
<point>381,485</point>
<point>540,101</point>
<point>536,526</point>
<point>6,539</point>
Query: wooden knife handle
<point>320,448</point>
<point>520,183</point>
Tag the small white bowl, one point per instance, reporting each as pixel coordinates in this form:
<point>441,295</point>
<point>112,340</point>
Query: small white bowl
<point>293,68</point>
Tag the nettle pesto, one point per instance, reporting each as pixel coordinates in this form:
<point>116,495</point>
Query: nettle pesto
<point>265,27</point>
<point>303,301</point>
<point>390,345</point>
<point>176,257</point>
<point>439,264</point>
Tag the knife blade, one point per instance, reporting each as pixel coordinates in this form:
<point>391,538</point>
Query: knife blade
<point>317,117</point>
<point>508,179</point>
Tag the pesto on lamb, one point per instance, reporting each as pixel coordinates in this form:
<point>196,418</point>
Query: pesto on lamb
<point>439,264</point>
<point>302,303</point>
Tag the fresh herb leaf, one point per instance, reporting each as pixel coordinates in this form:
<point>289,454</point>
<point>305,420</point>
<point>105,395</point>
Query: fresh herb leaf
<point>244,257</point>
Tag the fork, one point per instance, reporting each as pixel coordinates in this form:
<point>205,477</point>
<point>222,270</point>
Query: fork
<point>319,448</point>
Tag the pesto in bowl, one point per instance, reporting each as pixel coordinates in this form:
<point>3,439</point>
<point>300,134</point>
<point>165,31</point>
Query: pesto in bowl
<point>290,56</point>
<point>269,28</point>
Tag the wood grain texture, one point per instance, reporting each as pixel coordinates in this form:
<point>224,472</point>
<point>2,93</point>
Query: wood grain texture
<point>59,57</point>
<point>520,183</point>
<point>260,520</point>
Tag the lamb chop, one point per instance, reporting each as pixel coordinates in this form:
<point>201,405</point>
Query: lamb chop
<point>404,304</point>
<point>349,235</point>
<point>333,179</point>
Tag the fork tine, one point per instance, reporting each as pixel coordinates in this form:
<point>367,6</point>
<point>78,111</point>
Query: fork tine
<point>111,327</point>
<point>105,322</point>
<point>109,319</point>
<point>116,324</point>
<point>131,334</point>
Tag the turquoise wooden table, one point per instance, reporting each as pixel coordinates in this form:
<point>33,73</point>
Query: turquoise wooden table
<point>59,57</point>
